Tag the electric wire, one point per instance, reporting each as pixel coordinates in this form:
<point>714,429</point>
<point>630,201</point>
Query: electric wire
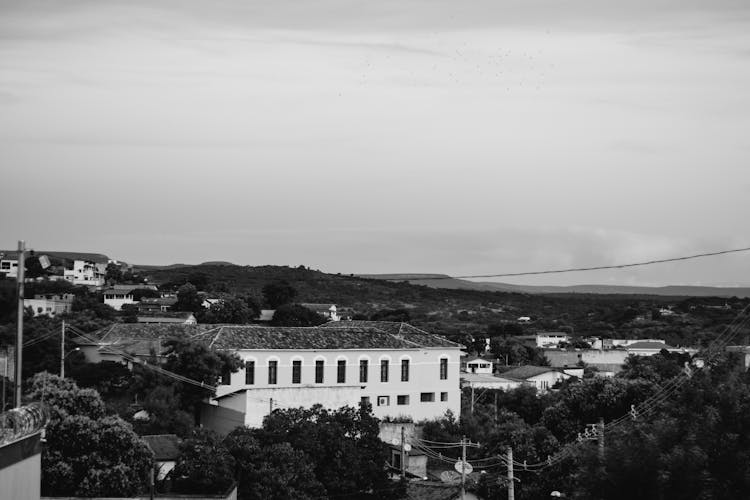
<point>578,269</point>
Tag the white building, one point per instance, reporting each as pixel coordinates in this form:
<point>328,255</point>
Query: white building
<point>88,269</point>
<point>328,311</point>
<point>399,369</point>
<point>9,264</point>
<point>543,377</point>
<point>479,365</point>
<point>551,339</point>
<point>50,304</point>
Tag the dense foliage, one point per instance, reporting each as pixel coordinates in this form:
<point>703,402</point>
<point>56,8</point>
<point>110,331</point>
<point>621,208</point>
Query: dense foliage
<point>87,453</point>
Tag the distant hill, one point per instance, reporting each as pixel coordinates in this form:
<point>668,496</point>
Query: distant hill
<point>444,281</point>
<point>461,309</point>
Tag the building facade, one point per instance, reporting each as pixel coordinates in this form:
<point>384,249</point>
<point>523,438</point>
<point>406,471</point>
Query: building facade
<point>409,374</point>
<point>50,304</point>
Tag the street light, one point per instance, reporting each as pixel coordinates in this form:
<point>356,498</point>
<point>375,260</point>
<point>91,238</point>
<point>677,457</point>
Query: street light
<point>62,361</point>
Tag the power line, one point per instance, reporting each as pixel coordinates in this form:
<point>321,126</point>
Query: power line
<point>578,269</point>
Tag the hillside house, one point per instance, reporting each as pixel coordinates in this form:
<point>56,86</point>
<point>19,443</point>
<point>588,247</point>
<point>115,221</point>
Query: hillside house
<point>87,268</point>
<point>9,263</point>
<point>543,377</point>
<point>328,311</point>
<point>399,369</point>
<point>479,365</point>
<point>50,304</point>
<point>156,304</point>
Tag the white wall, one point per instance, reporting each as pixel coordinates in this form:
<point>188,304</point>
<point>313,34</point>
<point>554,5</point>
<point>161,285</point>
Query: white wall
<point>424,377</point>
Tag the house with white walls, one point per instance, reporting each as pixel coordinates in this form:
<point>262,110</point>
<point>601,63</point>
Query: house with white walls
<point>544,378</point>
<point>401,370</point>
<point>87,268</point>
<point>50,304</point>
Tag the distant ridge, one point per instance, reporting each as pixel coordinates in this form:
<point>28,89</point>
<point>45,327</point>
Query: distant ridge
<point>445,281</point>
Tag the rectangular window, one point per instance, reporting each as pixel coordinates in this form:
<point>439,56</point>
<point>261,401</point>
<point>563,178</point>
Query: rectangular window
<point>249,372</point>
<point>364,400</point>
<point>443,396</point>
<point>384,370</point>
<point>427,397</point>
<point>384,400</point>
<point>273,370</point>
<point>341,371</point>
<point>363,371</point>
<point>402,400</point>
<point>404,370</point>
<point>296,372</point>
<point>226,377</point>
<point>444,369</point>
<point>319,367</point>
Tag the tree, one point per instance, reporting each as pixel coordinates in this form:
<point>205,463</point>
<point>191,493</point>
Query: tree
<point>87,453</point>
<point>113,273</point>
<point>296,315</point>
<point>204,465</point>
<point>279,293</point>
<point>199,363</point>
<point>228,310</point>
<point>343,446</point>
<point>274,471</point>
<point>188,299</point>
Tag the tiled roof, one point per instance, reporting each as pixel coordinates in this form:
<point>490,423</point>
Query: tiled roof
<point>526,372</point>
<point>346,337</point>
<point>164,446</point>
<point>648,345</point>
<point>401,330</point>
<point>144,336</point>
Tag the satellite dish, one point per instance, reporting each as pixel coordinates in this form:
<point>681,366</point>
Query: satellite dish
<point>407,447</point>
<point>465,466</point>
<point>450,477</point>
<point>395,442</point>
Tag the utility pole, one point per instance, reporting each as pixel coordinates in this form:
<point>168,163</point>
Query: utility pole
<point>403,453</point>
<point>62,350</point>
<point>511,486</point>
<point>19,332</point>
<point>495,406</point>
<point>463,457</point>
<point>601,440</point>
<point>472,399</point>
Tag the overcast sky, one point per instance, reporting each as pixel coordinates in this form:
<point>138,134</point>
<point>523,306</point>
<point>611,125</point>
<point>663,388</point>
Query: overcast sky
<point>382,136</point>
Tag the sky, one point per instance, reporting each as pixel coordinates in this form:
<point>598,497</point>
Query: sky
<point>382,136</point>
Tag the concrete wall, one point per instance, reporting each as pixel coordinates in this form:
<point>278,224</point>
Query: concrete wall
<point>221,419</point>
<point>569,358</point>
<point>231,495</point>
<point>424,377</point>
<point>21,469</point>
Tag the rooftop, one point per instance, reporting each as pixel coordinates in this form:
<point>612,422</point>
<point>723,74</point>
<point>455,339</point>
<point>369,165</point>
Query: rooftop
<point>648,345</point>
<point>526,372</point>
<point>401,330</point>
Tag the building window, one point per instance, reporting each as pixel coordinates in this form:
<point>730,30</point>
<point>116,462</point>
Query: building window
<point>443,396</point>
<point>384,400</point>
<point>427,397</point>
<point>364,400</point>
<point>384,370</point>
<point>402,400</point>
<point>319,367</point>
<point>363,365</point>
<point>444,369</point>
<point>226,377</point>
<point>296,371</point>
<point>341,371</point>
<point>404,370</point>
<point>273,370</point>
<point>249,372</point>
